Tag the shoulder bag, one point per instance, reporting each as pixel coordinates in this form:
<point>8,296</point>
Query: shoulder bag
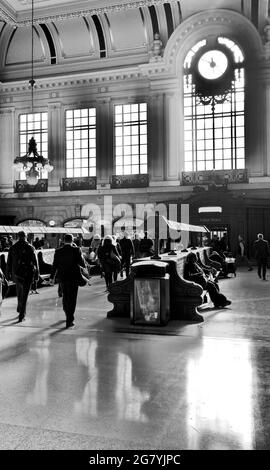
<point>83,276</point>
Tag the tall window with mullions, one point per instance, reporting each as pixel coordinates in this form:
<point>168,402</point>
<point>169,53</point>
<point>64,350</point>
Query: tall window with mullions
<point>80,142</point>
<point>130,139</point>
<point>214,106</point>
<point>33,125</point>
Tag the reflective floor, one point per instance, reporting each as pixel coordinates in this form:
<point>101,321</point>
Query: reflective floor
<point>108,385</point>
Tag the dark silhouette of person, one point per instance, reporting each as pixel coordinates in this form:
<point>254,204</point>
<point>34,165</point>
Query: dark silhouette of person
<point>193,272</point>
<point>66,262</point>
<point>223,243</point>
<point>261,252</point>
<point>128,251</point>
<point>109,259</point>
<point>36,243</point>
<point>22,268</point>
<point>136,244</point>
<point>215,244</point>
<point>146,246</point>
<point>44,268</point>
<point>3,263</point>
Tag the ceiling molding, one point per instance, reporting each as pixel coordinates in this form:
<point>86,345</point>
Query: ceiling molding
<point>145,71</point>
<point>23,20</point>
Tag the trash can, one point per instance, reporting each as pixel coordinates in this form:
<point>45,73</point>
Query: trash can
<point>150,293</point>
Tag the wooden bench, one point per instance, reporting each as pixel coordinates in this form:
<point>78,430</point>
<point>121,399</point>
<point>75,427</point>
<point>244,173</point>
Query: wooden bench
<point>185,296</point>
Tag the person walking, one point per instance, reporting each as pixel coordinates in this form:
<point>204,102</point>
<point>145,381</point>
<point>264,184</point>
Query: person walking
<point>127,249</point>
<point>66,262</point>
<point>109,259</point>
<point>3,281</point>
<point>22,268</point>
<point>241,253</point>
<point>261,252</point>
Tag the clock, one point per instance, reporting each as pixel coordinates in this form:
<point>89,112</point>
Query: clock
<point>212,64</point>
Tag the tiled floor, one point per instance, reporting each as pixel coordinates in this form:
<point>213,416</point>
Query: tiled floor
<point>107,385</point>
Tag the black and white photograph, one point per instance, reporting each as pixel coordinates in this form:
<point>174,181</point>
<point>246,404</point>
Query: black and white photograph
<point>135,230</point>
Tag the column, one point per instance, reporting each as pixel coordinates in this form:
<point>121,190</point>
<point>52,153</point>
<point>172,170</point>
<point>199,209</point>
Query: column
<point>104,142</point>
<point>56,143</point>
<point>173,136</point>
<point>7,149</point>
<point>156,155</point>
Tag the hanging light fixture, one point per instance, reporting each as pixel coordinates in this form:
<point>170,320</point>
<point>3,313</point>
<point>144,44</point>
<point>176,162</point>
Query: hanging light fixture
<point>32,163</point>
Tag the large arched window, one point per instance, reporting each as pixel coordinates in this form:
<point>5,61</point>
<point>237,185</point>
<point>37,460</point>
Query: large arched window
<point>214,105</point>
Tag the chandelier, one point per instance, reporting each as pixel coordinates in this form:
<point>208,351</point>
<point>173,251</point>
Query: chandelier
<point>32,163</point>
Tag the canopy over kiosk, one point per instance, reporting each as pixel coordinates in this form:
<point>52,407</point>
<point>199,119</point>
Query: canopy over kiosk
<point>180,226</point>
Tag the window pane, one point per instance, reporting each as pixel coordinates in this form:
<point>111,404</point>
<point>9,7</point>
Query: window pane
<point>78,142</point>
<point>218,165</point>
<point>188,166</point>
<point>132,125</point>
<point>33,125</point>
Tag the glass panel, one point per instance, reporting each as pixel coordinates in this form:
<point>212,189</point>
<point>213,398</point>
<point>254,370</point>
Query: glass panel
<point>135,149</point>
<point>78,143</point>
<point>137,114</point>
<point>188,145</point>
<point>127,150</point>
<point>240,163</point>
<point>201,166</point>
<point>188,166</point>
<point>200,144</point>
<point>209,165</point>
<point>227,164</point>
<point>188,156</point>
<point>135,169</point>
<point>218,165</point>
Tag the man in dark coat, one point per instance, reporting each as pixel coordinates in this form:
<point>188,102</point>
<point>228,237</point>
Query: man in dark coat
<point>261,252</point>
<point>127,249</point>
<point>22,268</point>
<point>66,262</point>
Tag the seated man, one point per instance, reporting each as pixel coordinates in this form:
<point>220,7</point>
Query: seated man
<point>220,258</point>
<point>210,271</point>
<point>193,272</point>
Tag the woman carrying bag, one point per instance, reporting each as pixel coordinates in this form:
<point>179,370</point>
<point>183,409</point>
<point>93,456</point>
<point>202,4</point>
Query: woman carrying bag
<point>110,259</point>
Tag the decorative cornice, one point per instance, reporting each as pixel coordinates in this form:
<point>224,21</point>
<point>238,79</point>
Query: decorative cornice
<point>81,80</point>
<point>7,17</point>
<point>39,18</point>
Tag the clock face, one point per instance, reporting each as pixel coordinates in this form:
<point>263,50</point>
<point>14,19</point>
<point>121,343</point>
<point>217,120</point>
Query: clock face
<point>212,64</point>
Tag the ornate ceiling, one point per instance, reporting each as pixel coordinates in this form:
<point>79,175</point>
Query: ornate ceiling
<point>86,35</point>
<point>18,12</point>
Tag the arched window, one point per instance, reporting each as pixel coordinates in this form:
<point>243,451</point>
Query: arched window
<point>214,105</point>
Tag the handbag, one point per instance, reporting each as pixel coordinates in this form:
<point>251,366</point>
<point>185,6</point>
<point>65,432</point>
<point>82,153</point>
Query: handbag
<point>115,261</point>
<point>83,276</point>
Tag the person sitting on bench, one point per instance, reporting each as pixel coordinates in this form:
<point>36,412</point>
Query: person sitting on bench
<point>193,272</point>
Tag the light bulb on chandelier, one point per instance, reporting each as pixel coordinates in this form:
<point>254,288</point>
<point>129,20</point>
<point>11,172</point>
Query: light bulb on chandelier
<point>32,163</point>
